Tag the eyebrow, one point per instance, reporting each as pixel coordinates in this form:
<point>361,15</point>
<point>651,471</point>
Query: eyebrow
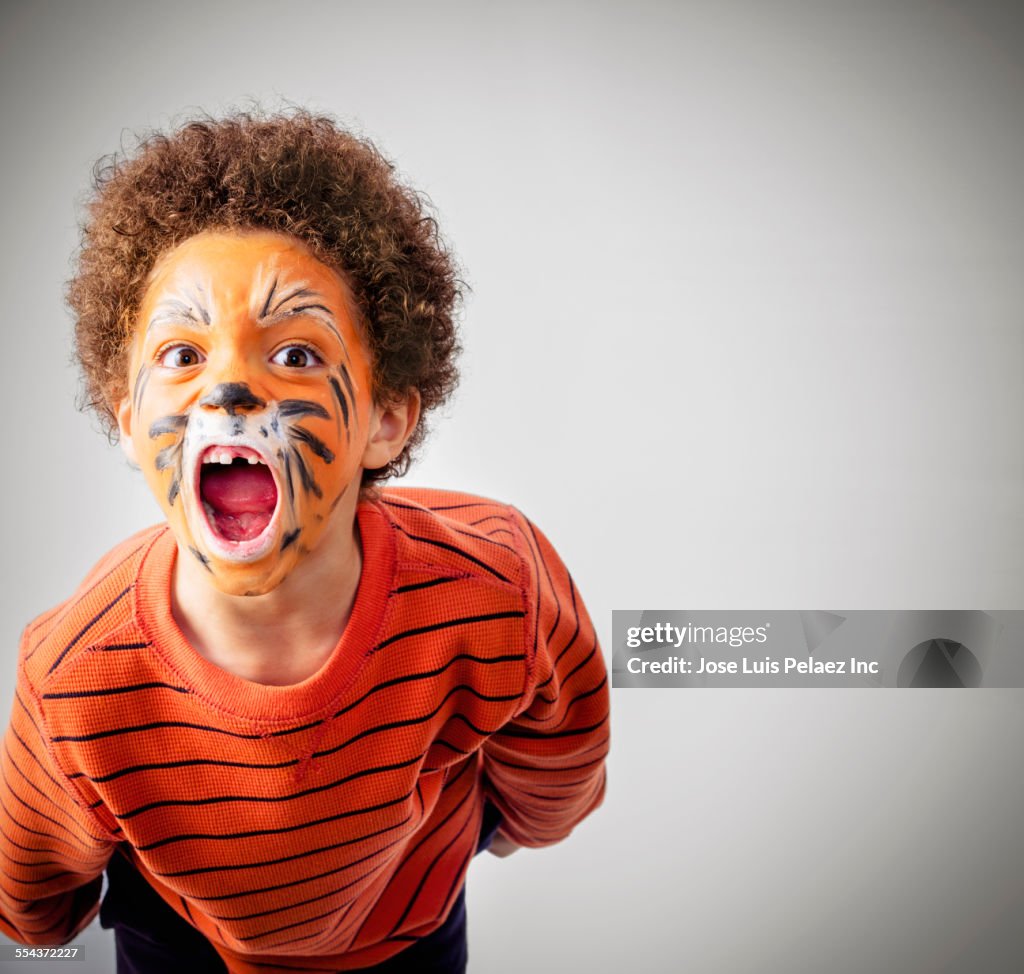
<point>177,310</point>
<point>277,308</point>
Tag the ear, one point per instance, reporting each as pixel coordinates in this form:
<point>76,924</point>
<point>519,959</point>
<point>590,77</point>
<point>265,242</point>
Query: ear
<point>124,426</point>
<point>391,425</point>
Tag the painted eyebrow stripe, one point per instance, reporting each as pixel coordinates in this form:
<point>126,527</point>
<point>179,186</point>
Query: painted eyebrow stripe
<point>309,307</point>
<point>200,307</point>
<point>300,292</point>
<point>174,309</point>
<point>270,315</point>
<point>270,297</point>
<point>320,313</point>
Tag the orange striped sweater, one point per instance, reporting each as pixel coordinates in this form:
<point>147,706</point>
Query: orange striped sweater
<point>320,826</point>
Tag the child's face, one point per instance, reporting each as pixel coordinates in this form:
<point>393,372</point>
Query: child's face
<point>250,406</point>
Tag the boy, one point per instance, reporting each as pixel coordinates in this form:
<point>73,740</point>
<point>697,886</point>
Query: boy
<point>286,720</point>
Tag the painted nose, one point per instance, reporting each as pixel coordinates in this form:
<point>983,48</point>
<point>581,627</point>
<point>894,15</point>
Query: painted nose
<point>232,397</point>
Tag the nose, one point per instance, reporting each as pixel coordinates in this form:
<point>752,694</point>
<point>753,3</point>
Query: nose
<point>232,397</point>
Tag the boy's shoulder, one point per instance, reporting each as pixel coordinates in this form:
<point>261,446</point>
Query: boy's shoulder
<point>446,505</point>
<point>100,608</point>
<point>455,531</point>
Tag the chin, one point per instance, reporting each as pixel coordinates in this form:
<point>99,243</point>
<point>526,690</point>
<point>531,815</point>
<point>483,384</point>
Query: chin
<point>244,567</point>
<point>248,587</point>
<point>246,580</point>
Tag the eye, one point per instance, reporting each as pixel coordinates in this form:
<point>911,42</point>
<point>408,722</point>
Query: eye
<point>180,357</point>
<point>296,357</point>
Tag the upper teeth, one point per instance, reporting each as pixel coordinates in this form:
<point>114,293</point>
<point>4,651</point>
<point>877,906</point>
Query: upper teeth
<point>226,456</point>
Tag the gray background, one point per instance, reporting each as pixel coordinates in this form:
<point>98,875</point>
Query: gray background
<point>745,332</point>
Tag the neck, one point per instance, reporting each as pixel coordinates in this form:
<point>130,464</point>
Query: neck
<point>286,635</point>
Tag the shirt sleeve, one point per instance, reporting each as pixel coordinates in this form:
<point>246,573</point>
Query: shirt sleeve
<point>52,850</point>
<point>545,770</point>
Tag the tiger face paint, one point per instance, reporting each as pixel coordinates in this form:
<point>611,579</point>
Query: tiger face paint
<point>250,405</point>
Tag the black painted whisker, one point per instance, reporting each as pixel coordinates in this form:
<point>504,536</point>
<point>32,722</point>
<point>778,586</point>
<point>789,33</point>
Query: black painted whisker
<point>168,456</point>
<point>313,442</point>
<point>340,396</point>
<point>203,560</point>
<point>167,424</point>
<point>288,478</point>
<point>347,379</point>
<point>305,476</point>
<point>337,500</point>
<point>290,408</point>
<point>140,386</point>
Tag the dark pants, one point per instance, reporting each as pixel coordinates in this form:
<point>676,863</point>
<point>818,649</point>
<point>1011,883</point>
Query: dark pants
<point>152,939</point>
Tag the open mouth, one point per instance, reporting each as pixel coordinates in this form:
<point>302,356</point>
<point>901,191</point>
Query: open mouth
<point>237,491</point>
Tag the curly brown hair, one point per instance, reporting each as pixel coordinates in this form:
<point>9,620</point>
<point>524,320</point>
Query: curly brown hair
<point>296,173</point>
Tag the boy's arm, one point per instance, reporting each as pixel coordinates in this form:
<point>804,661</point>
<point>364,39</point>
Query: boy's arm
<point>52,851</point>
<point>545,769</point>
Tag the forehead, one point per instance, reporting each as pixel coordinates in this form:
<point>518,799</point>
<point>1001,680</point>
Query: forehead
<point>234,265</point>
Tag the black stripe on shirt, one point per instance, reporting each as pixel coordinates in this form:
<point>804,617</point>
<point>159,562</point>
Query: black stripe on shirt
<point>253,833</point>
<point>458,551</point>
<point>72,603</point>
<point>96,618</point>
<point>108,691</point>
<point>305,854</point>
<point>448,624</point>
<point>267,799</point>
<point>415,586</point>
<point>536,735</point>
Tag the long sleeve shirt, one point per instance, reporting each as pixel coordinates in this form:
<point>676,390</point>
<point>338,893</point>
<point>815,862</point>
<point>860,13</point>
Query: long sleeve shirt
<point>327,824</point>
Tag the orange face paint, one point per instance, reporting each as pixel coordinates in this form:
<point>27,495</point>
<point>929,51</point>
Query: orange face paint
<point>250,402</point>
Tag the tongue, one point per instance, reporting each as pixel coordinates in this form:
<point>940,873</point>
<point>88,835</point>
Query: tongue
<point>241,496</point>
